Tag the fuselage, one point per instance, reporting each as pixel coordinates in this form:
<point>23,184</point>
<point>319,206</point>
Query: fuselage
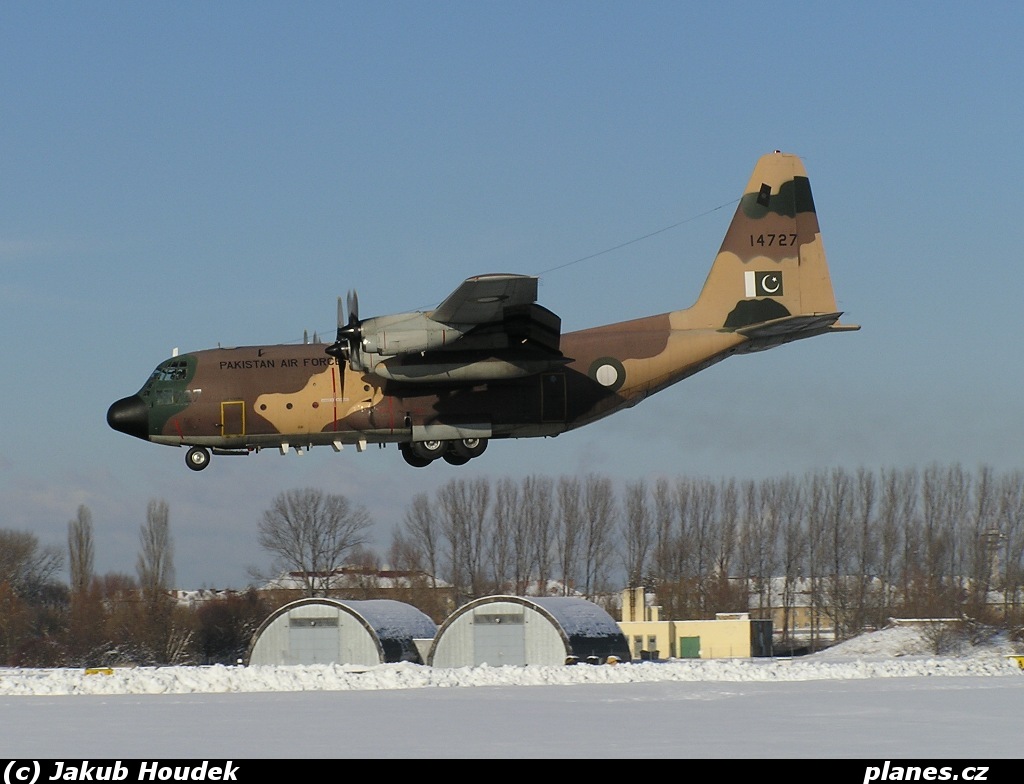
<point>253,397</point>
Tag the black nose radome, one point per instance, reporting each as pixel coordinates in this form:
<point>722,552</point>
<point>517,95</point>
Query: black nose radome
<point>130,415</point>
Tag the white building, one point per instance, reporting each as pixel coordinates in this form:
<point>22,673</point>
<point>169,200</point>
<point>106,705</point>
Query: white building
<point>336,631</point>
<point>516,630</point>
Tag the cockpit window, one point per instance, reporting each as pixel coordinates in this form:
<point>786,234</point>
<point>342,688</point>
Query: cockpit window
<point>175,370</point>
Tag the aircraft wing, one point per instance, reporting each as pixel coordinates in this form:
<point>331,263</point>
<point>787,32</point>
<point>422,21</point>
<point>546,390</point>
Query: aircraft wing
<point>489,328</point>
<point>485,298</point>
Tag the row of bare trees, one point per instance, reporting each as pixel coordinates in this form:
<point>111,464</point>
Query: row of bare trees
<point>112,618</point>
<point>855,547</point>
<point>513,536</point>
<point>118,618</point>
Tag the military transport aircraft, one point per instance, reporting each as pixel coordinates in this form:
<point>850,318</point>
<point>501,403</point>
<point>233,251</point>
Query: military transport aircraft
<point>489,362</point>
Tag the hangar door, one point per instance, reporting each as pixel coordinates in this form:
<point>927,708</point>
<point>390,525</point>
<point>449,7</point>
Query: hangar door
<point>313,640</point>
<point>499,638</point>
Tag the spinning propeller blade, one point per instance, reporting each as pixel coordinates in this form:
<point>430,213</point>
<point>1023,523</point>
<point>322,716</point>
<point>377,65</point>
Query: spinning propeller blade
<point>346,343</point>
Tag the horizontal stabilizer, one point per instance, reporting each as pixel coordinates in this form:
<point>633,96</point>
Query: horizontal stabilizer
<point>792,327</point>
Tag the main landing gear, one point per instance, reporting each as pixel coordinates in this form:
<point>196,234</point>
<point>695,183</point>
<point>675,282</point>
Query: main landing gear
<point>458,452</point>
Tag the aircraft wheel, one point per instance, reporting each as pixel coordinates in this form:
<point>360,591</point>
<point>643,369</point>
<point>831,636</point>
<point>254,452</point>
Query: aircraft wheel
<point>411,458</point>
<point>468,448</point>
<point>453,459</point>
<point>198,458</point>
<point>428,450</point>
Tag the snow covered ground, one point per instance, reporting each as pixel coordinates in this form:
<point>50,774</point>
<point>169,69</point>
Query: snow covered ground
<point>877,696</point>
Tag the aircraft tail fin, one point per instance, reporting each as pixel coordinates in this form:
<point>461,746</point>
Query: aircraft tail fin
<point>770,280</point>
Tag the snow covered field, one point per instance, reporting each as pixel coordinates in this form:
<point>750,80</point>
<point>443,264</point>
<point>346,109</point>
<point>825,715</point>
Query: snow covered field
<point>878,696</point>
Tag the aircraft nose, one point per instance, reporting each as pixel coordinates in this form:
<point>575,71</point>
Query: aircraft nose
<point>130,415</point>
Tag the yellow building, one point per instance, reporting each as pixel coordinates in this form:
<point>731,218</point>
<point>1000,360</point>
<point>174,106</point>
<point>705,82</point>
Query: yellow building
<point>730,635</point>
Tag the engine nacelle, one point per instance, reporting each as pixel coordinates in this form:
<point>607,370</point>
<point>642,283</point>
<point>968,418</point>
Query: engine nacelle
<point>438,371</point>
<point>389,342</point>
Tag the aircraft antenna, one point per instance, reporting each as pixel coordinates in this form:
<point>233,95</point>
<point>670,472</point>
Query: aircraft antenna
<point>626,244</point>
<point>639,239</point>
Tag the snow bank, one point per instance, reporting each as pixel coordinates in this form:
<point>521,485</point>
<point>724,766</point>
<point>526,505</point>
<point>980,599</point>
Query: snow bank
<point>891,653</point>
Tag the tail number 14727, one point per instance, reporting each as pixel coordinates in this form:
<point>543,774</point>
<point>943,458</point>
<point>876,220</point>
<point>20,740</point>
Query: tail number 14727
<point>768,240</point>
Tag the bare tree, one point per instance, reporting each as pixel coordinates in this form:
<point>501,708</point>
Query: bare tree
<point>678,546</point>
<point>759,540</point>
<point>419,561</point>
<point>637,533</point>
<point>517,516</point>
<point>1011,526</point>
<point>569,538</point>
<point>160,630</point>
<point>816,556</point>
<point>31,601</point>
<point>896,520</point>
<point>25,566</point>
<point>538,503</point>
<point>724,596</point>
<point>960,486</point>
<point>788,503</point>
<point>80,551</point>
<point>945,494</point>
<point>839,532</point>
<point>463,507</point>
<point>155,565</point>
<point>86,619</point>
<point>418,542</point>
<point>869,593</point>
<point>983,541</point>
<point>599,517</point>
<point>665,556</point>
<point>500,552</point>
<point>703,511</point>
<point>309,533</point>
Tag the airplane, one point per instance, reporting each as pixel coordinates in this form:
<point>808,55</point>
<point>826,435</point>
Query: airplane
<point>490,362</point>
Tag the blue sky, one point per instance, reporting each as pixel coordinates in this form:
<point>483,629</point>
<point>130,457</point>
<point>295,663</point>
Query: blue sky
<point>193,174</point>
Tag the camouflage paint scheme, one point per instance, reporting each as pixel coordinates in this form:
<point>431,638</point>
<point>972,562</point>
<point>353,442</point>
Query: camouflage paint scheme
<point>768,285</point>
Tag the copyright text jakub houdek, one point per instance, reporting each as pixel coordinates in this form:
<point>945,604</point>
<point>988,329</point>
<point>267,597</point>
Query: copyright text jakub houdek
<point>36,771</point>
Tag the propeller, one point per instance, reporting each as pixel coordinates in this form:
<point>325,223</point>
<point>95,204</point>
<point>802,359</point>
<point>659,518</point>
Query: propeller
<point>353,306</point>
<point>346,344</point>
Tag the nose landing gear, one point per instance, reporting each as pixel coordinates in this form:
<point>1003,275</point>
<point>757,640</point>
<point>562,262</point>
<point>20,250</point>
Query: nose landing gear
<point>197,458</point>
